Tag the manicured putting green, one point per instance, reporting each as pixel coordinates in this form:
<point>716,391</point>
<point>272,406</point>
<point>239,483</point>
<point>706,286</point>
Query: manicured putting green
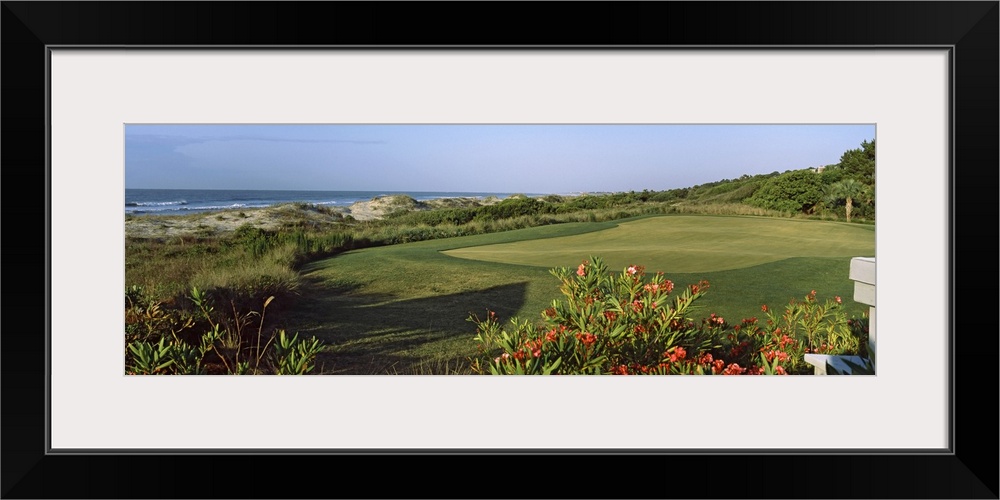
<point>687,244</point>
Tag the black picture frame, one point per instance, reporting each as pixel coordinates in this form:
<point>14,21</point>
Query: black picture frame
<point>969,28</point>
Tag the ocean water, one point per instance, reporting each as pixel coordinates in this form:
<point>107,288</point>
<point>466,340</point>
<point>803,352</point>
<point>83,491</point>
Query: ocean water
<point>187,201</point>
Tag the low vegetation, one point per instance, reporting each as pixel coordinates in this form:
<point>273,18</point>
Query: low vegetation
<point>631,323</point>
<point>201,340</point>
<point>258,265</point>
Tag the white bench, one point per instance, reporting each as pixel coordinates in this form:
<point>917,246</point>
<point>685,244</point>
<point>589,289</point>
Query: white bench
<point>863,274</point>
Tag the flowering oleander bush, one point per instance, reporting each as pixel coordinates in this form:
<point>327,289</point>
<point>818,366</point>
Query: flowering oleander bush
<point>606,323</point>
<point>806,326</point>
<point>631,323</point>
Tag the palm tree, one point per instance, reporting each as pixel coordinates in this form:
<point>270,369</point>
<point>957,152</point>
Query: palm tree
<point>847,190</point>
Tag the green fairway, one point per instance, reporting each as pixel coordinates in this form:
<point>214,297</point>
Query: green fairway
<point>688,244</point>
<point>392,309</point>
<point>388,309</point>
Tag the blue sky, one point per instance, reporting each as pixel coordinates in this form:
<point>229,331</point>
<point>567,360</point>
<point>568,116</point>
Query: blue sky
<point>481,158</point>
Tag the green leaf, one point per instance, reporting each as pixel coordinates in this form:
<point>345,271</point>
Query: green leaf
<point>618,332</point>
<point>554,366</point>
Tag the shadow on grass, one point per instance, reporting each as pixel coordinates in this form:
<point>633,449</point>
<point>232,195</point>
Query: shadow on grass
<point>372,334</point>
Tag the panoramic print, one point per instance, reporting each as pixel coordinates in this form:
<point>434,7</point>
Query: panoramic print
<point>499,249</point>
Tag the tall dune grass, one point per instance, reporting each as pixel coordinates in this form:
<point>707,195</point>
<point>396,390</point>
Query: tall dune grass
<point>728,209</point>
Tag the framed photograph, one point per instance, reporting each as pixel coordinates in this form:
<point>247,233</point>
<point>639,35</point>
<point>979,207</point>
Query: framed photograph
<point>922,75</point>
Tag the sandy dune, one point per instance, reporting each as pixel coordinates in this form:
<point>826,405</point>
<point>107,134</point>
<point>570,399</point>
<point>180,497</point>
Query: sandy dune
<point>286,215</point>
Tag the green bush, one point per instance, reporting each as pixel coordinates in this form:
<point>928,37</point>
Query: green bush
<point>254,240</point>
<point>627,323</point>
<point>434,217</point>
<point>797,191</point>
<point>604,324</point>
<point>512,207</point>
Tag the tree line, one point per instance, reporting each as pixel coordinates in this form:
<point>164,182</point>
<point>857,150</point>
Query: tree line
<point>846,188</point>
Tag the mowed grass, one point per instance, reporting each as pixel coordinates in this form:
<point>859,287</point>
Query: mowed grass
<point>403,308</point>
<point>688,244</point>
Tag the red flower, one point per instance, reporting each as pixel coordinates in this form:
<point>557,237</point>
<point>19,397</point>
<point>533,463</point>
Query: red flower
<point>551,336</point>
<point>717,366</point>
<point>733,369</point>
<point>582,270</point>
<point>837,298</point>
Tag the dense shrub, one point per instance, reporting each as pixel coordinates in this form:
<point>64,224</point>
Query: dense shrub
<point>795,191</point>
<point>512,207</point>
<point>435,217</point>
<point>669,195</point>
<point>604,324</point>
<point>627,323</point>
<point>732,193</point>
<point>254,240</point>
